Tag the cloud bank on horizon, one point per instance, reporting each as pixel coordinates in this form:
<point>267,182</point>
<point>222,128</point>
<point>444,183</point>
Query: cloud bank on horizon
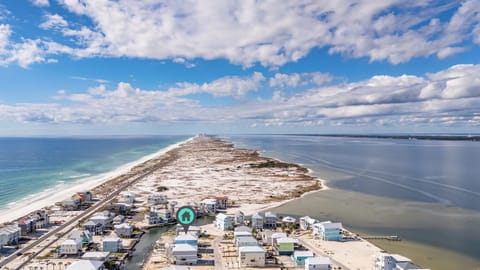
<point>261,37</point>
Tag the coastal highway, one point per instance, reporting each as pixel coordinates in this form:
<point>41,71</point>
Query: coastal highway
<point>70,224</point>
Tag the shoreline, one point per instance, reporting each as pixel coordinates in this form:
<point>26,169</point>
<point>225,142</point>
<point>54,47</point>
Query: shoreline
<point>47,198</point>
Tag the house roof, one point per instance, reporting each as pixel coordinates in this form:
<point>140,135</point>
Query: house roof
<point>301,253</point>
<point>270,215</point>
<point>289,219</point>
<point>186,237</point>
<point>399,258</point>
<point>257,216</point>
<point>123,225</point>
<point>184,247</point>
<point>90,223</point>
<point>69,242</point>
<point>224,217</point>
<point>240,234</point>
<point>248,239</point>
<point>251,249</point>
<point>85,265</point>
<point>111,240</point>
<point>243,229</point>
<point>95,255</point>
<point>286,240</point>
<point>318,260</point>
<point>336,225</point>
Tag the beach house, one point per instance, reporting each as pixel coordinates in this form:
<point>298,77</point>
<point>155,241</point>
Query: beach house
<point>270,221</point>
<point>127,197</point>
<point>257,221</point>
<point>124,230</point>
<point>270,237</point>
<point>71,247</point>
<point>385,261</point>
<point>209,206</point>
<point>27,225</point>
<point>86,195</point>
<point>328,231</point>
<point>239,217</point>
<point>289,221</point>
<point>118,220</point>
<point>300,256</point>
<point>285,245</point>
<point>222,202</point>
<point>111,244</point>
<point>121,208</point>
<point>157,198</point>
<point>306,222</point>
<point>83,236</point>
<point>159,214</point>
<point>193,230</point>
<point>186,239</point>
<point>251,256</point>
<point>317,263</point>
<point>243,229</point>
<point>92,227</point>
<point>224,222</point>
<point>246,241</point>
<point>86,265</point>
<point>184,254</point>
<point>9,234</point>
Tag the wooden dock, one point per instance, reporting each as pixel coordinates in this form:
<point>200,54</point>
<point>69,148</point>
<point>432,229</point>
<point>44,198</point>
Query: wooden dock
<point>382,237</point>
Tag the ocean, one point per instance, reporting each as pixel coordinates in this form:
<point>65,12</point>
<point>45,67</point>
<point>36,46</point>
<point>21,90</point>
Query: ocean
<point>32,165</point>
<point>427,192</point>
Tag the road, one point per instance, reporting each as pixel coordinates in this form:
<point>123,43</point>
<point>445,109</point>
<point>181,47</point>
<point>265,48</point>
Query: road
<point>217,253</point>
<point>67,226</point>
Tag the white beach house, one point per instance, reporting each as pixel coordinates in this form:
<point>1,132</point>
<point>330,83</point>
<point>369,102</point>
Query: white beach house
<point>124,230</point>
<point>186,239</point>
<point>192,230</point>
<point>329,231</point>
<point>257,221</point>
<point>84,236</point>
<point>96,256</point>
<point>224,222</point>
<point>86,265</point>
<point>317,263</point>
<point>93,228</point>
<point>306,222</point>
<point>300,256</point>
<point>157,198</point>
<point>111,244</point>
<point>127,197</point>
<point>209,205</point>
<point>385,261</point>
<point>251,256</point>
<point>9,234</point>
<point>71,247</point>
<point>185,254</point>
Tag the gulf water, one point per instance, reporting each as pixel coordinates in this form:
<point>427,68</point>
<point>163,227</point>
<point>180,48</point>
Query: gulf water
<point>427,192</point>
<point>32,165</point>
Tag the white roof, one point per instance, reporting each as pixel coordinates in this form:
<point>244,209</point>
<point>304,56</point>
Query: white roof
<point>96,254</point>
<point>85,265</point>
<point>123,225</point>
<point>287,240</point>
<point>320,260</point>
<point>247,239</point>
<point>302,253</point>
<point>90,223</point>
<point>279,235</point>
<point>69,242</point>
<point>289,219</point>
<point>237,234</point>
<point>400,258</point>
<point>223,216</point>
<point>251,249</point>
<point>336,225</point>
<point>209,201</point>
<point>243,229</point>
<point>98,217</point>
<point>184,247</point>
<point>111,240</point>
<point>186,237</point>
<point>270,214</point>
<point>257,216</point>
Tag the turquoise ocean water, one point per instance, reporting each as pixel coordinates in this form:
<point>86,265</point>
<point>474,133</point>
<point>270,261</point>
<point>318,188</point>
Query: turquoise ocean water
<point>32,165</point>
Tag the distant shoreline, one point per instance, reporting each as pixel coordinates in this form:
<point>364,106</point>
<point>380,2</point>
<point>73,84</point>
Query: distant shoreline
<point>433,137</point>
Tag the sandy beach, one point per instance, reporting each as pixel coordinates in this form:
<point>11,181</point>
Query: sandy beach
<point>63,191</point>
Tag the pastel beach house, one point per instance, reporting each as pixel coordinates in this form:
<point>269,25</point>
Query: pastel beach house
<point>83,236</point>
<point>285,246</point>
<point>246,241</point>
<point>186,239</point>
<point>224,222</point>
<point>111,244</point>
<point>222,202</point>
<point>300,257</point>
<point>328,231</point>
<point>251,256</point>
<point>317,263</point>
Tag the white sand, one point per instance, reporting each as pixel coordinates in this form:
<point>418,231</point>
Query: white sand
<point>64,191</point>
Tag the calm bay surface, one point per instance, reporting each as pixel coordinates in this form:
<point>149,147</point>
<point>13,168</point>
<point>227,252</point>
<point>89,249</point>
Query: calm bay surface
<point>427,192</point>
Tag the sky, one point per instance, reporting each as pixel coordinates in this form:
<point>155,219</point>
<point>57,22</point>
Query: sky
<point>87,67</point>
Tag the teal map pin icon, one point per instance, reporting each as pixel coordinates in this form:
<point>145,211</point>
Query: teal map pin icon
<point>185,217</point>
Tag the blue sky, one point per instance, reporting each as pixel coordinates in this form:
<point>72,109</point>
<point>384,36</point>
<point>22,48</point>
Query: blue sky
<point>77,67</point>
